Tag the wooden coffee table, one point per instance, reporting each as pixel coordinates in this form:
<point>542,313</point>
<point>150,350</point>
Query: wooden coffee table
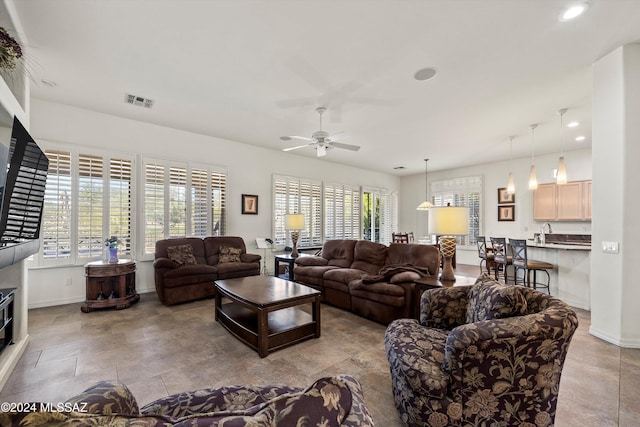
<point>265,312</point>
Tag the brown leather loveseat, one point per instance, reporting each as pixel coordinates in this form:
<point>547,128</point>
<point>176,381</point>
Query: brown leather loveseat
<point>370,279</point>
<point>185,268</point>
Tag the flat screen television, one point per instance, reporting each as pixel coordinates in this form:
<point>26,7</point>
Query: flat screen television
<point>23,198</point>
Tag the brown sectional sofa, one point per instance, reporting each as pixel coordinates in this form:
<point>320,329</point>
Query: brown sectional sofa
<point>181,278</point>
<point>370,279</point>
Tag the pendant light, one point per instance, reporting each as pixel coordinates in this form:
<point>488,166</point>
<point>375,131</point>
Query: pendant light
<point>511,188</point>
<point>424,206</point>
<point>561,175</point>
<point>533,180</point>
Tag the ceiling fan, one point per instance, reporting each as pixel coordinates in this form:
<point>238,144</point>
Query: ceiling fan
<point>320,140</point>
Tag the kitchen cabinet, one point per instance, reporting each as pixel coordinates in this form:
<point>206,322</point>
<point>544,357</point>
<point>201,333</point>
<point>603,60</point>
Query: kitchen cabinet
<point>568,202</point>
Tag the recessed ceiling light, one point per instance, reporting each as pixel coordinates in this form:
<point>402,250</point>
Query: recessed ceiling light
<point>425,73</point>
<point>573,124</point>
<point>580,138</point>
<point>573,12</point>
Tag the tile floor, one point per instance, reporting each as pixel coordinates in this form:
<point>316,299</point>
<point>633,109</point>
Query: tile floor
<point>158,350</point>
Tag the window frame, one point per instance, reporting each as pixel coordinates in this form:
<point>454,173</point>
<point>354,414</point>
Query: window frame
<point>449,190</point>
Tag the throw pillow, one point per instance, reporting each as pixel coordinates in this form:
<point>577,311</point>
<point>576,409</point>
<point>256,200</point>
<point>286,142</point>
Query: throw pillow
<point>228,254</point>
<point>489,300</point>
<point>181,255</point>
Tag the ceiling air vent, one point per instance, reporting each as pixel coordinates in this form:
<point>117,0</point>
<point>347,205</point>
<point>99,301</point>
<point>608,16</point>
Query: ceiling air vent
<point>138,100</point>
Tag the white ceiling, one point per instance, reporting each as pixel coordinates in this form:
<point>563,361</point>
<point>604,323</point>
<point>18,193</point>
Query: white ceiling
<point>252,71</point>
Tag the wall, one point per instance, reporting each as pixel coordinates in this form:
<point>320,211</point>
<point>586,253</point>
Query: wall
<point>616,130</point>
<point>249,171</point>
<point>494,176</point>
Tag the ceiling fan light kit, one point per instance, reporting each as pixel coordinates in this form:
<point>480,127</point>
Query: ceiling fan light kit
<point>321,140</point>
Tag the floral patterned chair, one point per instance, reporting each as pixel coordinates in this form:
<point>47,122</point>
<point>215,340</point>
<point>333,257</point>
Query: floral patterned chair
<point>331,401</point>
<point>486,354</point>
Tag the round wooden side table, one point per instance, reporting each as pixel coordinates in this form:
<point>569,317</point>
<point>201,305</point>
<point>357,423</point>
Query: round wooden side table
<point>110,285</point>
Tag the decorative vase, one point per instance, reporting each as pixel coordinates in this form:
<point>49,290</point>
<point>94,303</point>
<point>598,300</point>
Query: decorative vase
<point>113,255</point>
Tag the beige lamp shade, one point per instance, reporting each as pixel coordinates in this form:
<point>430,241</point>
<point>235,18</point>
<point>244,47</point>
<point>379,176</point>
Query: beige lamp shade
<point>294,222</point>
<point>449,220</point>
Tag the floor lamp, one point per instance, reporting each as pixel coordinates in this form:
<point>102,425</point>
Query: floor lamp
<point>294,223</point>
<point>448,221</point>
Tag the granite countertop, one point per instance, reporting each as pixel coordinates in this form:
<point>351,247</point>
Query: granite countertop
<point>567,246</point>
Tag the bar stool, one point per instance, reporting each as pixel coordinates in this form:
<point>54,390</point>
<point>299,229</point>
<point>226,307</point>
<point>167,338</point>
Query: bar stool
<point>485,254</point>
<point>522,262</point>
<point>501,258</point>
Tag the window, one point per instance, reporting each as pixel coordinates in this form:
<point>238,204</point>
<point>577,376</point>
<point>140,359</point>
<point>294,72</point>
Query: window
<point>379,215</point>
<point>464,191</point>
<point>297,195</point>
<point>182,200</point>
<point>87,199</point>
<point>342,212</point>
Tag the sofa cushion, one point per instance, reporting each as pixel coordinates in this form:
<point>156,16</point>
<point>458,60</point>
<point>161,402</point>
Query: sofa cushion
<point>417,354</point>
<point>214,244</point>
<point>426,256</point>
<point>229,254</point>
<point>369,256</point>
<point>489,299</point>
<point>405,276</point>
<point>311,260</point>
<point>338,252</point>
<point>381,292</point>
<point>196,243</point>
<point>181,254</point>
<point>341,277</point>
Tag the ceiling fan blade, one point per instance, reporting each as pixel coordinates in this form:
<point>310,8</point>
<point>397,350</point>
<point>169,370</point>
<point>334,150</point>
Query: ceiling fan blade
<point>345,146</point>
<point>296,147</point>
<point>289,138</point>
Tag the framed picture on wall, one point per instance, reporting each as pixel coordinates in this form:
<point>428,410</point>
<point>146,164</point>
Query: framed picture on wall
<point>505,197</point>
<point>506,213</point>
<point>249,204</point>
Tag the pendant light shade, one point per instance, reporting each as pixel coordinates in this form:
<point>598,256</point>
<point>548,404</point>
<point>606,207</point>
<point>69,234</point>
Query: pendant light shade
<point>561,175</point>
<point>426,205</point>
<point>511,188</point>
<point>533,180</point>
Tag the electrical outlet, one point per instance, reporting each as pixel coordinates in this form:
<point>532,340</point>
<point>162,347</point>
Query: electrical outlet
<point>610,247</point>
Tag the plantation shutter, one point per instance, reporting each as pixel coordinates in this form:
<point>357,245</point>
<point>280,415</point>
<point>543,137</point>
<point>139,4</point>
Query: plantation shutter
<point>343,211</point>
<point>297,195</point>
<point>177,201</point>
<point>57,210</point>
<point>154,198</point>
<point>90,205</point>
<point>120,185</point>
<point>218,205</point>
<point>200,225</point>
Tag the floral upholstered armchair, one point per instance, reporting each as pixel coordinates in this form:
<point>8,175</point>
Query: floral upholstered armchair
<point>331,401</point>
<point>487,354</point>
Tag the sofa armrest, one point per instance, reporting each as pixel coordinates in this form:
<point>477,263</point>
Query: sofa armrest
<point>311,261</point>
<point>250,258</point>
<point>160,263</point>
<point>105,398</point>
<point>444,308</point>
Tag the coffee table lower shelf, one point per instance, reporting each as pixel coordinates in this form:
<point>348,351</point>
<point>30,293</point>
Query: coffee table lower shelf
<point>285,327</point>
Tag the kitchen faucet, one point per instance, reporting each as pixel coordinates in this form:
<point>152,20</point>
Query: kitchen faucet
<point>542,234</point>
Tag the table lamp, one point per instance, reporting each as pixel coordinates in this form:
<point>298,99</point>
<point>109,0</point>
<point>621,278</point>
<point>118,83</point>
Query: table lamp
<point>448,221</point>
<point>294,223</point>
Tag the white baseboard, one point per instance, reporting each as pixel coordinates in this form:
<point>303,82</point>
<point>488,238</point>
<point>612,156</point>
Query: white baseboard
<point>620,342</point>
<point>71,300</point>
<point>10,358</point>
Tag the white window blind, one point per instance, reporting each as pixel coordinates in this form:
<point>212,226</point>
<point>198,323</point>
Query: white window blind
<point>297,195</point>
<point>87,199</point>
<point>120,196</point>
<point>182,200</point>
<point>57,210</point>
<point>342,211</point>
<point>464,191</point>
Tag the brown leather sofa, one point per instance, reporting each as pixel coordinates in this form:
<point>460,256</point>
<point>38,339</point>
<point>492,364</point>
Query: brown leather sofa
<point>185,268</point>
<point>370,279</point>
